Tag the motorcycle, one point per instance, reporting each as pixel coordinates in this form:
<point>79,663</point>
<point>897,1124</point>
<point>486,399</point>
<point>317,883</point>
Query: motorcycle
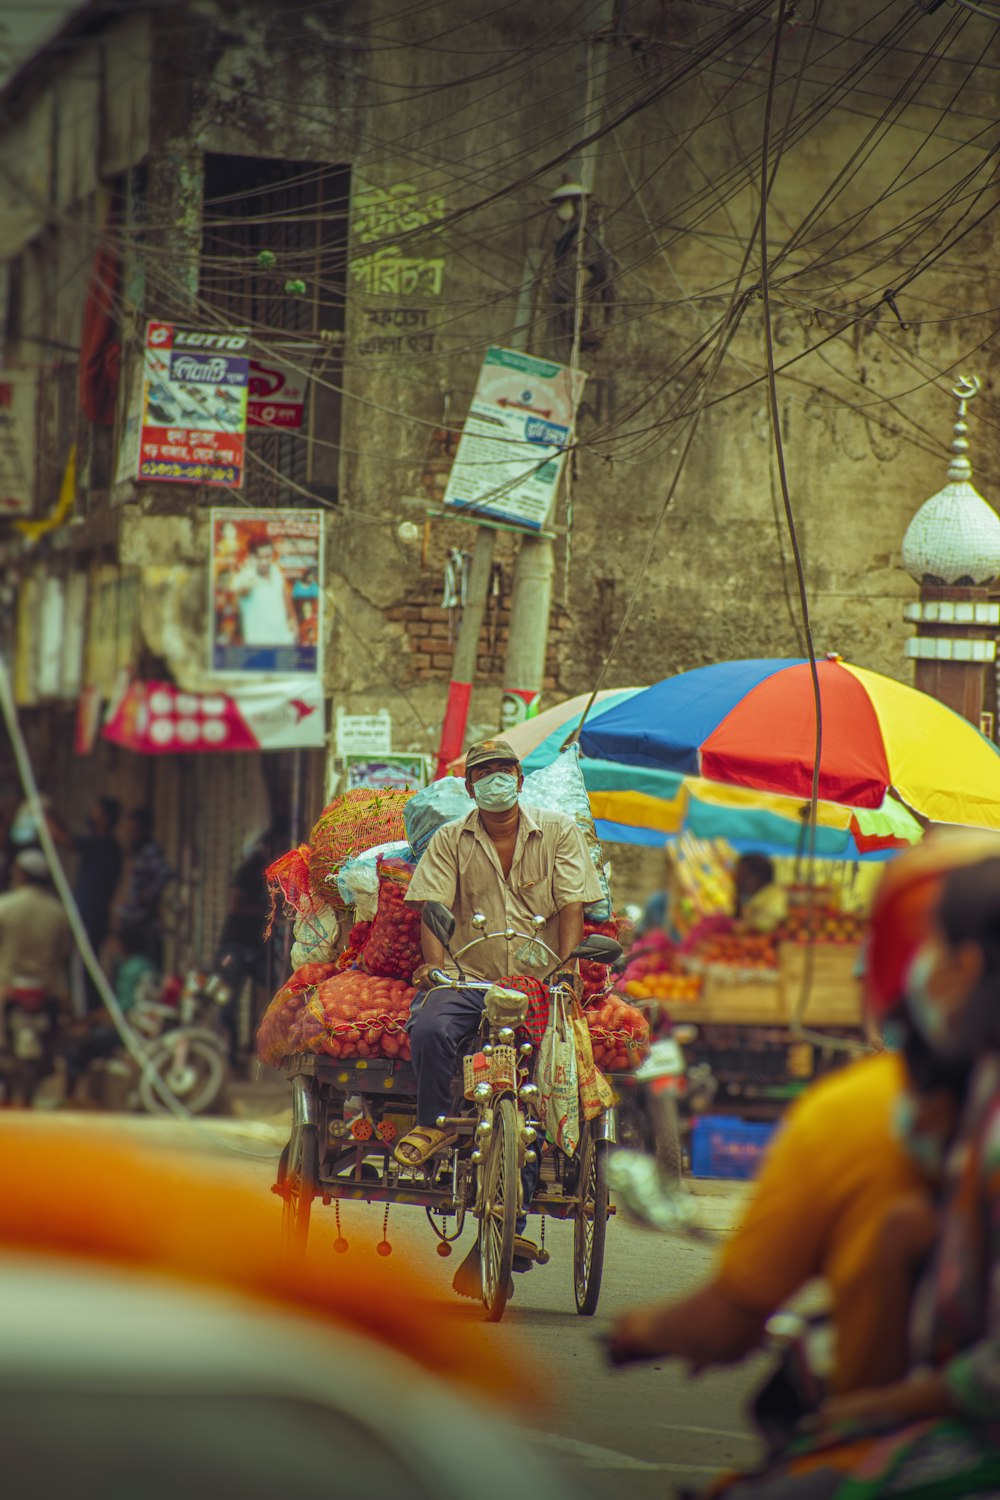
<point>183,1043</point>
<point>656,1101</point>
<point>29,1021</point>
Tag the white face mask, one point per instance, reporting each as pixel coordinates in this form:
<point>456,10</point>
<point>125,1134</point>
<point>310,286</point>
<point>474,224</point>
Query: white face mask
<point>496,793</point>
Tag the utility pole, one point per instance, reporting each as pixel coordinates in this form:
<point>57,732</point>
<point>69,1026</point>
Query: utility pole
<point>534,567</point>
<point>463,667</point>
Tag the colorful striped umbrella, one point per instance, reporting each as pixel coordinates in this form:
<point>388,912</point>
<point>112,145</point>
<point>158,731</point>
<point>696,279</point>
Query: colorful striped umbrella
<point>648,806</point>
<point>750,726</point>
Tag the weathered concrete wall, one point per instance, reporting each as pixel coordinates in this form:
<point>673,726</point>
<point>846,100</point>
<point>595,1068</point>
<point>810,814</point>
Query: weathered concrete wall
<point>865,419</point>
<point>452,123</point>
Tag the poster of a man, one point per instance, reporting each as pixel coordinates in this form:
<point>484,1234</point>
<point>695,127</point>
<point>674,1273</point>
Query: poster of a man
<point>266,602</point>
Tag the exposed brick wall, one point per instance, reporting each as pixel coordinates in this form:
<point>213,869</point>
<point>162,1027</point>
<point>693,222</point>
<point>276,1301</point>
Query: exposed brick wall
<point>431,640</point>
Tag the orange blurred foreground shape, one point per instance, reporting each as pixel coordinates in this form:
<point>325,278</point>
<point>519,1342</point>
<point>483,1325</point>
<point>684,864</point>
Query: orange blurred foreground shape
<point>71,1193</point>
<point>904,905</point>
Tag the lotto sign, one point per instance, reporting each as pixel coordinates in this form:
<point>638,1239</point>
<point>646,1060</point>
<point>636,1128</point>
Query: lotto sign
<point>194,407</point>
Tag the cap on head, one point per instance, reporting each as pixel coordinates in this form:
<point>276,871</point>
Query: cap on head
<point>33,864</point>
<point>904,907</point>
<point>487,750</point>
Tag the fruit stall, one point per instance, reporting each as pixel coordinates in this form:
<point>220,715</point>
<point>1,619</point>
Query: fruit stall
<point>743,989</point>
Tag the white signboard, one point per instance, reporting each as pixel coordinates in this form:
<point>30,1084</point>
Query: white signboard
<point>514,441</point>
<point>17,442</point>
<point>364,734</point>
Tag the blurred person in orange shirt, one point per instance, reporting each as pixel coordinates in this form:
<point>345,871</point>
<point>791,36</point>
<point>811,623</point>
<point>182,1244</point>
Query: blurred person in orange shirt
<point>832,1170</point>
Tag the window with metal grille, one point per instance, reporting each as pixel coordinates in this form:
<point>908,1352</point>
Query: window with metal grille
<point>274,251</point>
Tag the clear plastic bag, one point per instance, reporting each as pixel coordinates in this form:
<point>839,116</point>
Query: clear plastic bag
<point>428,810</point>
<point>560,787</point>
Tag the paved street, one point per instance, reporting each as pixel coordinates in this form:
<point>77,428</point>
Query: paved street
<point>649,1428</point>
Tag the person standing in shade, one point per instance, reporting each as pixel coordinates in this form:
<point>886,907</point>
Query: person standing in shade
<point>147,875</point>
<point>97,877</point>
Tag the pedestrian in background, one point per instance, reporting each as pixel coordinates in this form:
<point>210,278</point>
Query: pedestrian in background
<point>35,937</point>
<point>148,872</point>
<point>97,877</point>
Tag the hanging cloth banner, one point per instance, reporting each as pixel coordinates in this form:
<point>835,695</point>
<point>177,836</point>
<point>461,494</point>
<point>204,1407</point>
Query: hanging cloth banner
<point>157,718</point>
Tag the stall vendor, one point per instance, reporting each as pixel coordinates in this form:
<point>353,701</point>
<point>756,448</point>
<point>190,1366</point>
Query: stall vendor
<point>761,904</point>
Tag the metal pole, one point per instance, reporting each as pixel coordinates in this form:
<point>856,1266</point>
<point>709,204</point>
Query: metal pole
<point>534,566</point>
<point>463,669</point>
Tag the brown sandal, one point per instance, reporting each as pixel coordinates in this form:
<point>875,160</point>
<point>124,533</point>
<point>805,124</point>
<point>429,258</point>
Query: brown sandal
<point>417,1148</point>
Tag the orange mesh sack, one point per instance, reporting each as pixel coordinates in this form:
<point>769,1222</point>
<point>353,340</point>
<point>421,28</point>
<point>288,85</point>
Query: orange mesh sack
<point>279,1033</point>
<point>619,1034</point>
<point>393,946</point>
<point>350,1014</point>
<point>361,819</point>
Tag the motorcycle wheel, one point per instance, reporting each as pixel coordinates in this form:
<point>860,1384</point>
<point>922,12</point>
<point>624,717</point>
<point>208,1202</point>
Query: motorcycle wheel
<point>665,1131</point>
<point>590,1227</point>
<point>298,1182</point>
<point>196,1082</point>
<point>498,1217</point>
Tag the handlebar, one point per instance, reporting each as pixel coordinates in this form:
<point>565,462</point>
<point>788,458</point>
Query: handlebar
<point>509,935</point>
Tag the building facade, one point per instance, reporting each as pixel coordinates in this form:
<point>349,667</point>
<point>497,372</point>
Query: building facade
<point>371,197</point>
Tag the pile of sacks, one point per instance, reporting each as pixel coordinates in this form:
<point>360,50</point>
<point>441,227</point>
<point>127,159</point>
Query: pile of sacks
<point>352,999</point>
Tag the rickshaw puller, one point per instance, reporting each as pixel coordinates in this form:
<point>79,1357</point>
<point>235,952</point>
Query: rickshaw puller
<point>511,863</point>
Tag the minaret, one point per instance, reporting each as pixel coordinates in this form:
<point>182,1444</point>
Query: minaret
<point>952,550</point>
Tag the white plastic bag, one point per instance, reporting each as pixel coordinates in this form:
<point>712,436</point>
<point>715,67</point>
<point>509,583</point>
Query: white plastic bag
<point>317,938</point>
<point>556,1076</point>
<point>357,880</point>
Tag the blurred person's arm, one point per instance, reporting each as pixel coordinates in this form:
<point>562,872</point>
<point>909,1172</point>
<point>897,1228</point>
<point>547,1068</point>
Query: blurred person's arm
<point>704,1329</point>
<point>776,1250</point>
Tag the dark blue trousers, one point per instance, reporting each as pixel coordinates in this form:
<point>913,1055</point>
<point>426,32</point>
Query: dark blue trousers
<point>443,1023</point>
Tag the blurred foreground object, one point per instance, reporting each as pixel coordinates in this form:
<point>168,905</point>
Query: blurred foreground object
<point>157,1344</point>
<point>902,907</point>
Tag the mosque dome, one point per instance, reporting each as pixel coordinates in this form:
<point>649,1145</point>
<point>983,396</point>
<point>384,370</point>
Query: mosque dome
<point>954,538</point>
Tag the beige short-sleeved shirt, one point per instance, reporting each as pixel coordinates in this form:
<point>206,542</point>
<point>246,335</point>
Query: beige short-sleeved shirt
<point>551,869</point>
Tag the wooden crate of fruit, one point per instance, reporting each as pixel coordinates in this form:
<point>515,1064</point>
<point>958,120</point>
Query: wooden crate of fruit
<point>737,1002</point>
<point>834,992</point>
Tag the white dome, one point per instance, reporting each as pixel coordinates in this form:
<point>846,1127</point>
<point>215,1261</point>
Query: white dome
<point>954,538</point>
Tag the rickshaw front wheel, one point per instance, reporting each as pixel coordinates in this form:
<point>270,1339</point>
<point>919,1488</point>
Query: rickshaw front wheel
<point>498,1218</point>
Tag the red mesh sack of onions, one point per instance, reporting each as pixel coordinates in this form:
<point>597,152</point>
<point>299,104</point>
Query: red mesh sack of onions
<point>392,949</point>
<point>281,1026</point>
<point>597,977</point>
<point>619,1034</point>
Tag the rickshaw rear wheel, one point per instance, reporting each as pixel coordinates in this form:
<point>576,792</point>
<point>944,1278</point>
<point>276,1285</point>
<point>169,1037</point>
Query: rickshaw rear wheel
<point>298,1178</point>
<point>590,1226</point>
<point>498,1218</point>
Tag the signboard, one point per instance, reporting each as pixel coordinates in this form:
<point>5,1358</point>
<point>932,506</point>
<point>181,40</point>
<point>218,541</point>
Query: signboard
<point>277,395</point>
<point>74,633</point>
<point>17,442</point>
<point>266,606</point>
<point>514,441</point>
<point>363,734</point>
<point>157,718</point>
<point>194,407</point>
<point>51,626</point>
<point>387,773</point>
